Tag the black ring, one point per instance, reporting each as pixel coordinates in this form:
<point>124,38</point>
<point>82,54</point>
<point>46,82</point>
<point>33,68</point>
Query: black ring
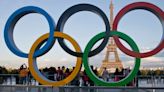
<point>77,8</point>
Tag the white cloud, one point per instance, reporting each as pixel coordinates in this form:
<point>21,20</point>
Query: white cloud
<point>152,59</point>
<point>150,62</point>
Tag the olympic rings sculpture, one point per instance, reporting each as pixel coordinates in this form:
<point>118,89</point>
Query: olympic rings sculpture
<point>56,32</point>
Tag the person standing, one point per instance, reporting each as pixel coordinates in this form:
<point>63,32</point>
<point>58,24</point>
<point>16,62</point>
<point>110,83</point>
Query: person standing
<point>105,74</point>
<point>117,75</point>
<point>23,73</point>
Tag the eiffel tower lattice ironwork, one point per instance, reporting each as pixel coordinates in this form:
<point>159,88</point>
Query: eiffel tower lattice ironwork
<point>111,48</point>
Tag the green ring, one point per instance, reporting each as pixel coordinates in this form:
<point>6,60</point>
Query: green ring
<point>90,73</point>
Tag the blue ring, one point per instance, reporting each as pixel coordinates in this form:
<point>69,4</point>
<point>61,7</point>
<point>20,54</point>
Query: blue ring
<point>9,29</point>
<point>77,8</point>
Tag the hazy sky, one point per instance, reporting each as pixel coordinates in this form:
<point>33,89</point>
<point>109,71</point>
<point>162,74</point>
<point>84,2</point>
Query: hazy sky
<point>142,26</point>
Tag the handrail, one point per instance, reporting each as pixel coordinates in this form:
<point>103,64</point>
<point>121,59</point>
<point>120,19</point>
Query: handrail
<point>82,87</point>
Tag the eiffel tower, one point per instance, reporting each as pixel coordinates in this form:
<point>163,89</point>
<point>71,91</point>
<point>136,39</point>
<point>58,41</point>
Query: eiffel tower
<point>111,48</point>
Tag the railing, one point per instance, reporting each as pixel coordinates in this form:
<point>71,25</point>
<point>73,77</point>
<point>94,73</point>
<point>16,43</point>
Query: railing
<point>12,79</point>
<point>41,88</point>
<point>9,83</point>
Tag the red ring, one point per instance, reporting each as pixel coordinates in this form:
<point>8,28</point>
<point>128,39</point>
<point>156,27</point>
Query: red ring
<point>139,5</point>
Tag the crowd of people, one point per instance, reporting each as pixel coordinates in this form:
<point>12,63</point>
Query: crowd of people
<point>60,73</point>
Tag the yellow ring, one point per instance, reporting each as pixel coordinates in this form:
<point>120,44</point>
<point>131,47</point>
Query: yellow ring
<point>34,69</point>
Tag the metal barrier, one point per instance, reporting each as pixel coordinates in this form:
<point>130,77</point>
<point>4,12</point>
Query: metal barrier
<point>41,88</point>
<point>13,79</point>
<point>8,83</point>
